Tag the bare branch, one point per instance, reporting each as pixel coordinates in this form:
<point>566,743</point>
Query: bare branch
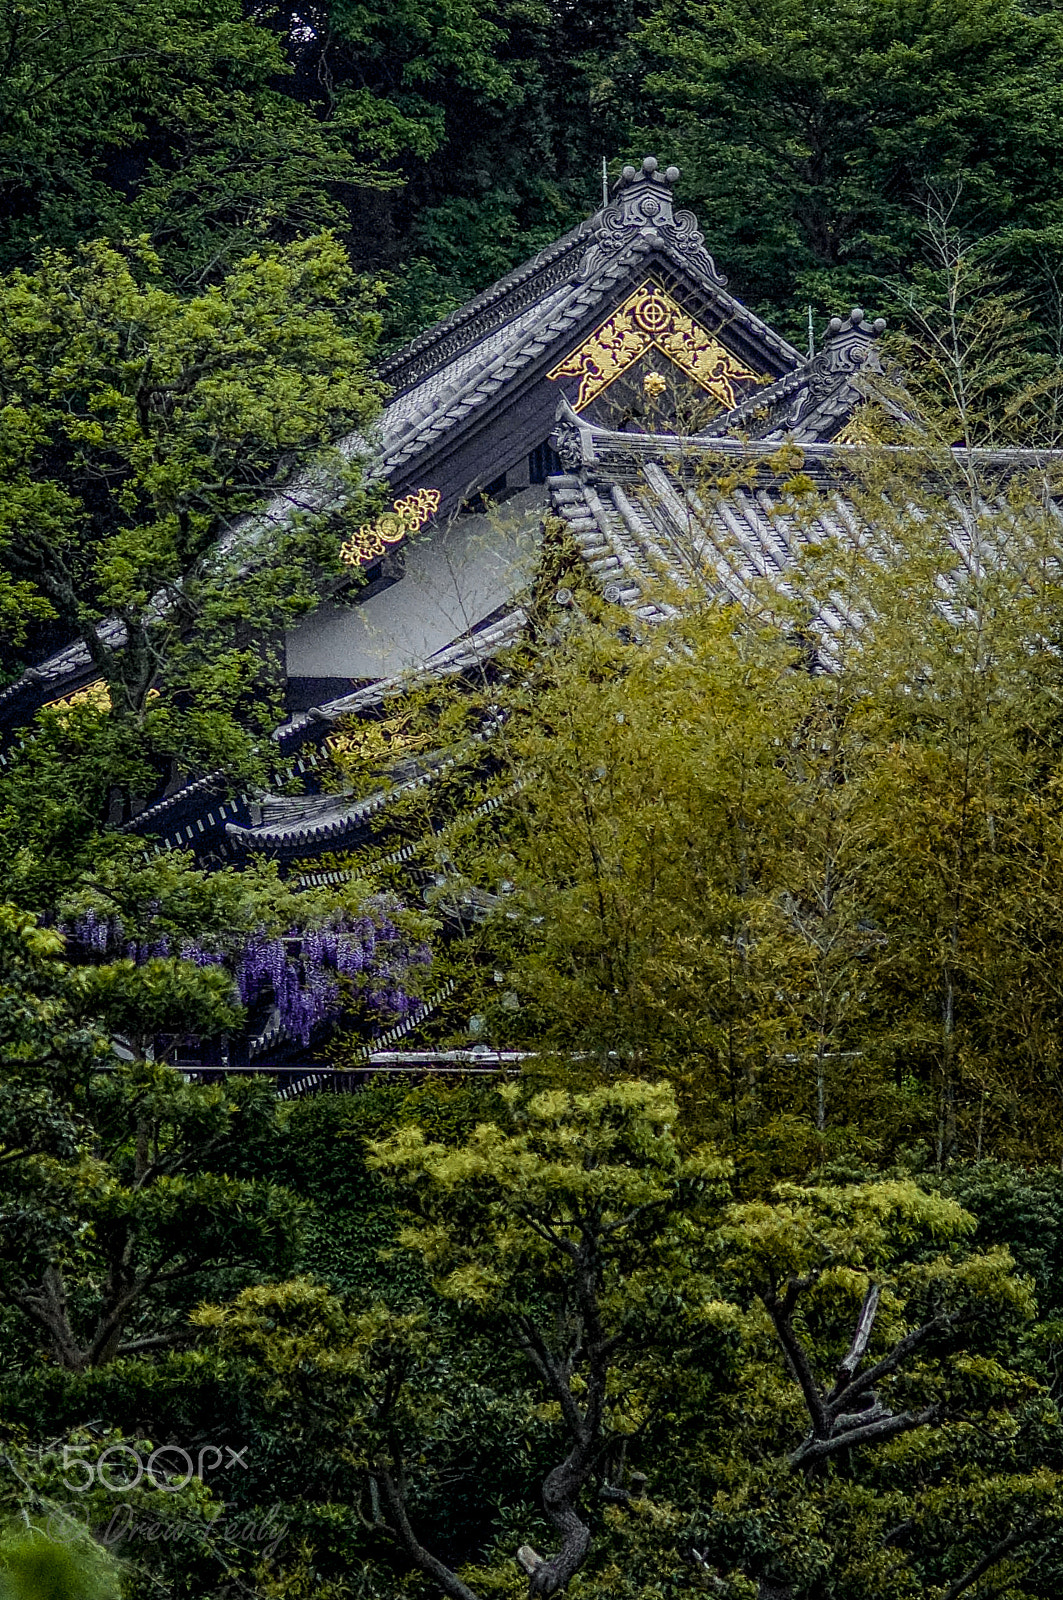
<point>857,1350</point>
<point>531,1342</point>
<point>447,1580</point>
<point>884,1427</point>
<point>529,1560</point>
<point>997,1553</point>
<point>892,1361</point>
<point>796,1358</point>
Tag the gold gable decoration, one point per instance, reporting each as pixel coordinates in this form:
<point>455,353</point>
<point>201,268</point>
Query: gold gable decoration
<point>374,743</point>
<point>96,695</point>
<point>408,514</point>
<point>651,317</point>
<point>856,430</point>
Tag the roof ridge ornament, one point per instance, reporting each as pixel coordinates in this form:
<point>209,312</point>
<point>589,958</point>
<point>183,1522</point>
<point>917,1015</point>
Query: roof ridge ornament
<point>851,344</point>
<point>641,207</point>
<point>849,347</point>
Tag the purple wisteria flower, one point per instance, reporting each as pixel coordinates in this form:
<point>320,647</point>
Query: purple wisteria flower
<point>307,973</point>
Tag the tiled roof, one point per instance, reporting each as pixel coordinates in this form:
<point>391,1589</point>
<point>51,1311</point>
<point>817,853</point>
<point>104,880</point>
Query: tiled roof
<point>446,381</point>
<point>459,366</point>
<point>63,669</point>
<point>460,656</point>
<point>449,373</point>
<point>641,207</point>
<point>523,285</point>
<point>813,402</point>
<point>451,395</point>
<point>647,527</point>
<point>634,515</point>
<point>642,510</point>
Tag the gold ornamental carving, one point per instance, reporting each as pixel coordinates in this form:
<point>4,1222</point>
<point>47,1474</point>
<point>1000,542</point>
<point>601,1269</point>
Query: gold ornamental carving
<point>407,514</point>
<point>649,317</point>
<point>376,743</point>
<point>96,695</point>
<point>855,430</point>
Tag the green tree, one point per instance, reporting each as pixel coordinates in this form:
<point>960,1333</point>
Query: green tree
<point>494,115</point>
<point>582,1201</point>
<point>890,1327</point>
<point>45,1048</point>
<point>812,137</point>
<point>827,1386</point>
<point>169,120</point>
<point>721,937</point>
<point>123,1190</point>
<point>825,903</point>
<point>103,1252</point>
<point>143,438</point>
<point>34,1565</point>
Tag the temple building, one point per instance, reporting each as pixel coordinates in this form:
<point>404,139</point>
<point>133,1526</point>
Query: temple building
<point>594,383</point>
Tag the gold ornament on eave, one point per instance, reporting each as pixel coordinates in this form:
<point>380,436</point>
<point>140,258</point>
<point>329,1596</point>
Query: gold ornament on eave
<point>407,514</point>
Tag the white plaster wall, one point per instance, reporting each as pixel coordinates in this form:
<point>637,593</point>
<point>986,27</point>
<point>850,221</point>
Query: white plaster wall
<point>456,574</point>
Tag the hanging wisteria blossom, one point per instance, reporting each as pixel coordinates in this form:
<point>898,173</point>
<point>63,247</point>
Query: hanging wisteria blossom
<point>307,974</point>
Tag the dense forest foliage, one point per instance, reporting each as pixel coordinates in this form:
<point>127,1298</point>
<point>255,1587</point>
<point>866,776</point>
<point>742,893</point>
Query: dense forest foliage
<point>750,1281</point>
<point>445,142</point>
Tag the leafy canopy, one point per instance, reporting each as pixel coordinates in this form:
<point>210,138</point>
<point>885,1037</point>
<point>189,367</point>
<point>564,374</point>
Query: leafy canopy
<point>165,119</point>
<point>170,496</point>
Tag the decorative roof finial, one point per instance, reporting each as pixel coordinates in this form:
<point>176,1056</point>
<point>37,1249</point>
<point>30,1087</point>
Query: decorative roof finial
<point>646,195</point>
<point>851,343</point>
<point>640,207</point>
